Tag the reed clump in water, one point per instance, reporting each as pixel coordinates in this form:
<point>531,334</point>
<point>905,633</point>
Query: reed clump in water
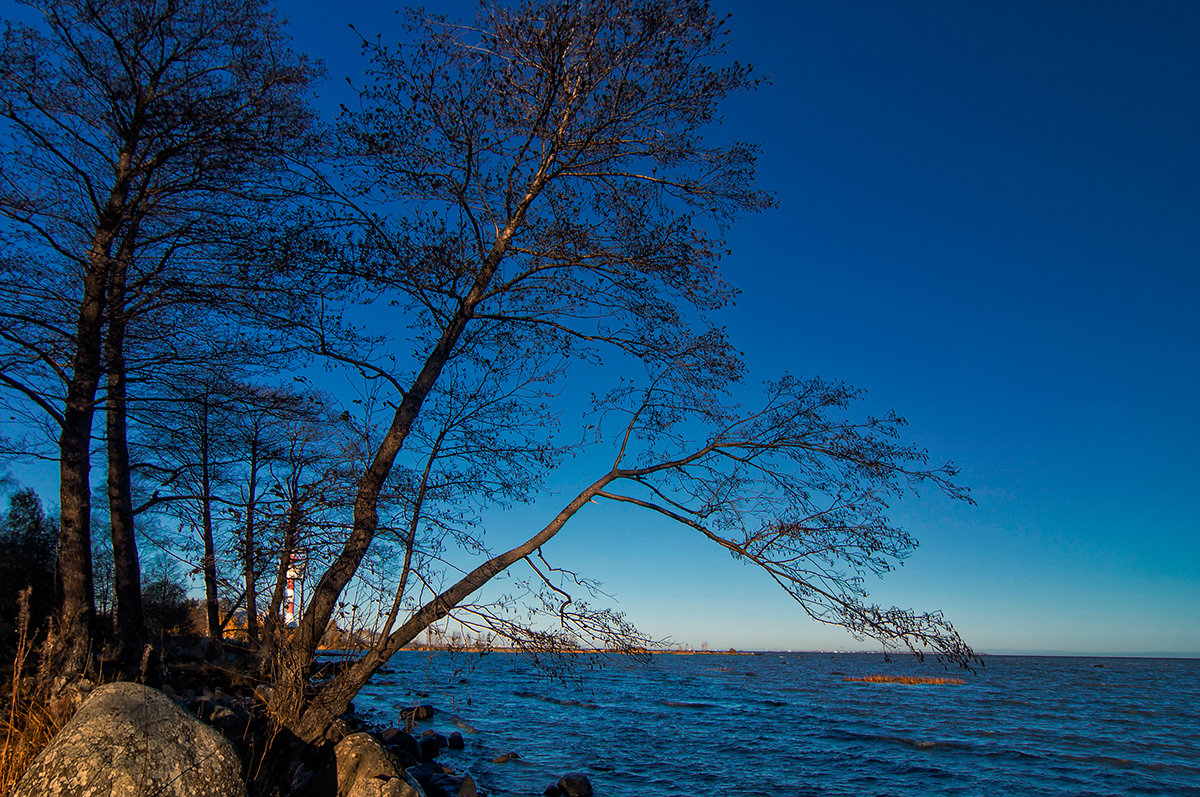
<point>914,680</point>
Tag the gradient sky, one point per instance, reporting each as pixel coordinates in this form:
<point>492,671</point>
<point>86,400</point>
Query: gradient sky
<point>989,217</point>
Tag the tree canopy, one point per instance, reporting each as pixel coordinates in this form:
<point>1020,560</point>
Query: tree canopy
<point>508,203</point>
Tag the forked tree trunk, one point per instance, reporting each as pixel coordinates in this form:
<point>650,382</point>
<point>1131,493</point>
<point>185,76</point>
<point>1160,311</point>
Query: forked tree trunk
<point>303,644</point>
<point>71,646</point>
<point>333,699</point>
<point>129,619</point>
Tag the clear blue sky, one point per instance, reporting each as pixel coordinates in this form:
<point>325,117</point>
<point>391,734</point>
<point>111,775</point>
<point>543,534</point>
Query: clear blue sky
<point>989,217</point>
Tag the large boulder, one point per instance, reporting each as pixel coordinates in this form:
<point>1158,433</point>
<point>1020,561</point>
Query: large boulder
<point>129,739</point>
<point>361,767</point>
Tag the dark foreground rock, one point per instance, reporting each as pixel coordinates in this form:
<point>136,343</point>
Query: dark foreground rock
<point>438,782</point>
<point>129,739</point>
<point>361,767</point>
<point>573,784</point>
<point>414,713</point>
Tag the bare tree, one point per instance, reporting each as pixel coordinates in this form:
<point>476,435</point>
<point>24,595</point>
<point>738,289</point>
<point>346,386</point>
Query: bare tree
<point>797,487</point>
<point>537,187</point>
<point>142,131</point>
<point>551,173</point>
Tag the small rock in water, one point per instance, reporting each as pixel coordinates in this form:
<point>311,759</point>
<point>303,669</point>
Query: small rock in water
<point>402,742</point>
<point>455,741</point>
<point>393,735</point>
<point>422,712</point>
<point>429,748</point>
<point>504,758</point>
<point>450,786</point>
<point>575,784</point>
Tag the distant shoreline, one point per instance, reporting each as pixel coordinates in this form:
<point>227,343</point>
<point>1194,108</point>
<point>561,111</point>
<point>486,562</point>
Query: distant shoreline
<point>735,652</point>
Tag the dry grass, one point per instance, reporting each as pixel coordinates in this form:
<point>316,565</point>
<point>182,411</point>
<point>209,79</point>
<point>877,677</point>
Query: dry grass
<point>26,724</point>
<point>920,680</point>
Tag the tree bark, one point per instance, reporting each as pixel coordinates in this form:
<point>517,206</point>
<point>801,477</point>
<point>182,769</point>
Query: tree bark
<point>209,565</point>
<point>248,573</point>
<point>365,518</point>
<point>333,699</point>
<point>271,625</point>
<point>129,619</point>
<point>72,646</point>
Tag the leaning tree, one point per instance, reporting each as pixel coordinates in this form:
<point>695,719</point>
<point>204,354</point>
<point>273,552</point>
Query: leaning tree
<point>535,191</point>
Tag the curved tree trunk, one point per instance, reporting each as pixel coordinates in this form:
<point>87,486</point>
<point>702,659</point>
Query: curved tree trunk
<point>333,699</point>
<point>329,588</point>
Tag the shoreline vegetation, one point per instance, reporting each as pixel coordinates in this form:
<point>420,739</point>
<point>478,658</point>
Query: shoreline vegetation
<point>639,651</point>
<point>907,680</point>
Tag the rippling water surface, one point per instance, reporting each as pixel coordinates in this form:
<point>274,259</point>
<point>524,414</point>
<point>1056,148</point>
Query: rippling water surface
<point>789,724</point>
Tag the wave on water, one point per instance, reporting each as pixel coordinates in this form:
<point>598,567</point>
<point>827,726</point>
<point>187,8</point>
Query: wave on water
<point>684,704</point>
<point>1022,726</point>
<point>558,701</point>
<point>916,744</point>
<point>463,725</point>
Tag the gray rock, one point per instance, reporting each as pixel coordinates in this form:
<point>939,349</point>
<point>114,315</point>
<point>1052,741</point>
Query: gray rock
<point>402,744</point>
<point>337,731</point>
<point>360,767</point>
<point>129,739</point>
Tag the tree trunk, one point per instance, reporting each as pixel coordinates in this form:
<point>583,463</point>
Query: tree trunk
<point>333,698</point>
<point>211,599</point>
<point>365,518</point>
<point>272,628</point>
<point>71,648</point>
<point>248,573</point>
<point>130,622</point>
<point>76,609</point>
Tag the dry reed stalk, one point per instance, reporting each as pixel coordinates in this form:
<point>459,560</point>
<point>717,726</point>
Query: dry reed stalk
<point>29,725</point>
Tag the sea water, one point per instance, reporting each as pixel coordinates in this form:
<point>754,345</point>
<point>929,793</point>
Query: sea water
<point>791,724</point>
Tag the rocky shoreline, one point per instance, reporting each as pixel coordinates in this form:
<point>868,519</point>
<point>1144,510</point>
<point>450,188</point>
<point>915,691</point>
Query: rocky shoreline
<point>200,730</point>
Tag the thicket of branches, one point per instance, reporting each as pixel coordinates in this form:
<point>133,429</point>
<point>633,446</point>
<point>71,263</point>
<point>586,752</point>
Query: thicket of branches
<point>509,202</point>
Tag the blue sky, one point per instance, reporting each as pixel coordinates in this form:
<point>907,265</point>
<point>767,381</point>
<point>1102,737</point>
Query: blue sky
<point>988,219</point>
